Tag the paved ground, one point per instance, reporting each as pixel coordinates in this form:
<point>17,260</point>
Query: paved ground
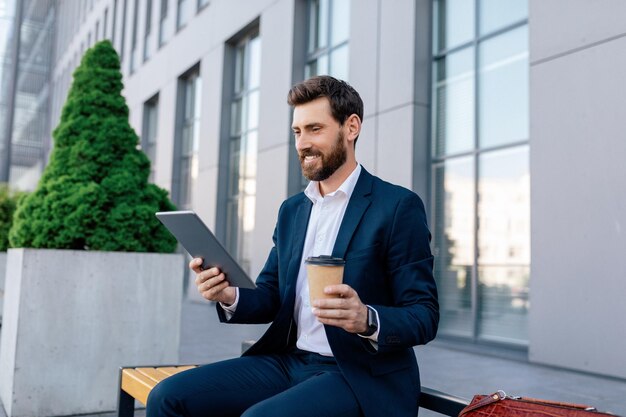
<point>443,366</point>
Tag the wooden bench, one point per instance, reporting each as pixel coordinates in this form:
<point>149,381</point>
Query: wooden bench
<point>136,383</point>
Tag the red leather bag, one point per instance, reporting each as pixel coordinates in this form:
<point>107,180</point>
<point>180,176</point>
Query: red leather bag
<point>499,404</point>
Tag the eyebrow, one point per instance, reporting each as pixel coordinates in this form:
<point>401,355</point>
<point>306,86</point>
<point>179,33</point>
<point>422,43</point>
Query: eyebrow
<point>309,125</point>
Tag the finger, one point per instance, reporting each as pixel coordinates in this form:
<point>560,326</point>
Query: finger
<point>341,290</point>
<point>213,281</point>
<point>332,303</point>
<point>196,265</point>
<point>336,314</point>
<point>207,274</point>
<point>213,292</point>
<point>347,325</point>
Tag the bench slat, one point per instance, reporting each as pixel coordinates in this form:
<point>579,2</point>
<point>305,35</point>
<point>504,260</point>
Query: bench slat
<point>137,384</point>
<point>153,373</point>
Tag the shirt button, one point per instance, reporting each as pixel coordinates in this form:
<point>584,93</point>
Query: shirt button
<point>320,238</point>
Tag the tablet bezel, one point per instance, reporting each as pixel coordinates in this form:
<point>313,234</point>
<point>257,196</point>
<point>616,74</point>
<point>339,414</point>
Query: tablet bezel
<point>200,242</point>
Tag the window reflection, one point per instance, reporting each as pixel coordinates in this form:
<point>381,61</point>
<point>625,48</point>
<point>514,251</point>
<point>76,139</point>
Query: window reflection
<point>504,243</point>
<point>149,133</point>
<point>189,139</point>
<point>185,12</point>
<point>503,104</point>
<point>243,150</point>
<point>481,206</point>
<point>329,29</point>
<point>454,242</point>
<point>454,23</point>
<point>165,23</point>
<point>148,33</point>
<point>454,103</point>
<point>495,14</point>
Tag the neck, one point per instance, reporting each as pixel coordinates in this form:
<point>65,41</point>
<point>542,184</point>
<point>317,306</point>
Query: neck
<point>333,182</point>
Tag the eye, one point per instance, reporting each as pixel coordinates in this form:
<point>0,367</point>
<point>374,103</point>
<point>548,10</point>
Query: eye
<point>316,129</point>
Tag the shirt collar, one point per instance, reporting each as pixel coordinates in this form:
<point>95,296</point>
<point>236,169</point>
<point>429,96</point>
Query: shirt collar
<point>312,191</point>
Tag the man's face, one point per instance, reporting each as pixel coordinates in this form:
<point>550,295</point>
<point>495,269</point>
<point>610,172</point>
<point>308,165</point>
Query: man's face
<point>320,140</point>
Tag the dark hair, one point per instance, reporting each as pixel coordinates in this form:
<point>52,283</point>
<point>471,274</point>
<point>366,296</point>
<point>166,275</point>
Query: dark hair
<point>344,99</point>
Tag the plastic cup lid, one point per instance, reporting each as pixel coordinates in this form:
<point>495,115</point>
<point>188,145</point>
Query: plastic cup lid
<point>324,260</point>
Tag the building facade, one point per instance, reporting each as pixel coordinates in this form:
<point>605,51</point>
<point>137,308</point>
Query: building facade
<point>503,116</point>
<point>27,30</point>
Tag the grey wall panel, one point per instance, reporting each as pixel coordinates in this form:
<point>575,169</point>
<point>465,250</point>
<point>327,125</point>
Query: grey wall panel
<point>578,206</point>
<point>397,54</point>
<point>364,54</point>
<point>559,26</point>
<point>395,148</point>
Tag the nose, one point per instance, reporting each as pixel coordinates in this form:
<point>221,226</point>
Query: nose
<point>302,142</point>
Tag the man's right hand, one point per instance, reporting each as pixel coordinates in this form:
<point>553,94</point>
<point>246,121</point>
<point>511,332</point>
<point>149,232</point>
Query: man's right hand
<point>212,284</point>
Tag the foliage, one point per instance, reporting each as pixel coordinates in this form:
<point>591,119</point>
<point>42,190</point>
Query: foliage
<point>8,202</point>
<point>94,193</point>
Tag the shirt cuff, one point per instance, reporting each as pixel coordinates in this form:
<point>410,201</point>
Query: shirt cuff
<point>229,311</point>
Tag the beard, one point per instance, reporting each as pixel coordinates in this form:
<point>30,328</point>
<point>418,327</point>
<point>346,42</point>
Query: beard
<point>330,162</point>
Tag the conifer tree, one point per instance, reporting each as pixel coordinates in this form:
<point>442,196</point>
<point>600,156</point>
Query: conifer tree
<point>94,193</point>
<point>8,201</point>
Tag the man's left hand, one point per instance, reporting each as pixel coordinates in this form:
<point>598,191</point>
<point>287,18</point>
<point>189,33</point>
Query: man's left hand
<point>345,311</point>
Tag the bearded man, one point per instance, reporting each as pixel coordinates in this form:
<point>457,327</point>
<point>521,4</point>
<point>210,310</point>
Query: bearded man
<point>351,355</point>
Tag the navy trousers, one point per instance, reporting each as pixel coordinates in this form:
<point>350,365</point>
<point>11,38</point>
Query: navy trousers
<point>294,384</point>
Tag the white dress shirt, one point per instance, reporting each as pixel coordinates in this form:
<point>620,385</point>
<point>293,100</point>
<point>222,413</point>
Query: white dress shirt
<point>326,217</point>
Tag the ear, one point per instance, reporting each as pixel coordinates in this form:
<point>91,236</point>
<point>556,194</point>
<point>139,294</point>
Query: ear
<point>353,127</point>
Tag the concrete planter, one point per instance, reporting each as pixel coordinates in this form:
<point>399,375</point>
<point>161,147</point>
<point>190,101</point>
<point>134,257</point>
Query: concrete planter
<point>3,264</point>
<point>72,318</point>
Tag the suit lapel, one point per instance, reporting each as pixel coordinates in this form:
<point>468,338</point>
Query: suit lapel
<point>359,202</point>
<point>297,244</point>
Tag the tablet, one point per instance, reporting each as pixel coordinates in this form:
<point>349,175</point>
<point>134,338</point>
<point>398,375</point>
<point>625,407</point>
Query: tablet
<point>199,242</point>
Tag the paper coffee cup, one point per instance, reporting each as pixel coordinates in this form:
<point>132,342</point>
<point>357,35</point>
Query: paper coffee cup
<point>322,271</point>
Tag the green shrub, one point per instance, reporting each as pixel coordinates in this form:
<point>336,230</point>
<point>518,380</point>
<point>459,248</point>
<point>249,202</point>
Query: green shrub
<point>8,202</point>
<point>94,193</point>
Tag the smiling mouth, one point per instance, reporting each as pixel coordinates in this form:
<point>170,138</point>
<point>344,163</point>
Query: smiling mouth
<point>307,158</point>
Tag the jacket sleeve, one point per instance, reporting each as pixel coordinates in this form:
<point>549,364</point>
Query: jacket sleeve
<point>261,304</point>
<point>413,316</point>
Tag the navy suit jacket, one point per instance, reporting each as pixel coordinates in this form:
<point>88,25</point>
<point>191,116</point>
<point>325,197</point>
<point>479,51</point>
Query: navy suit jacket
<point>384,239</point>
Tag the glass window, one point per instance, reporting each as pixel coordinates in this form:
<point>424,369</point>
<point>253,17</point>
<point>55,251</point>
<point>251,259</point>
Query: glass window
<point>97,31</point>
<point>124,4</point>
<point>453,22</point>
<point>134,51</point>
<point>184,13</point>
<point>453,101</point>
<point>453,229</point>
<point>105,24</point>
<point>329,30</point>
<point>149,136</point>
<point>495,14</point>
<point>327,46</point>
<point>243,150</point>
<point>504,244</point>
<point>480,187</point>
<point>148,38</point>
<point>165,25</point>
<point>503,104</point>
<point>188,139</point>
<point>113,27</point>
<point>202,4</point>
